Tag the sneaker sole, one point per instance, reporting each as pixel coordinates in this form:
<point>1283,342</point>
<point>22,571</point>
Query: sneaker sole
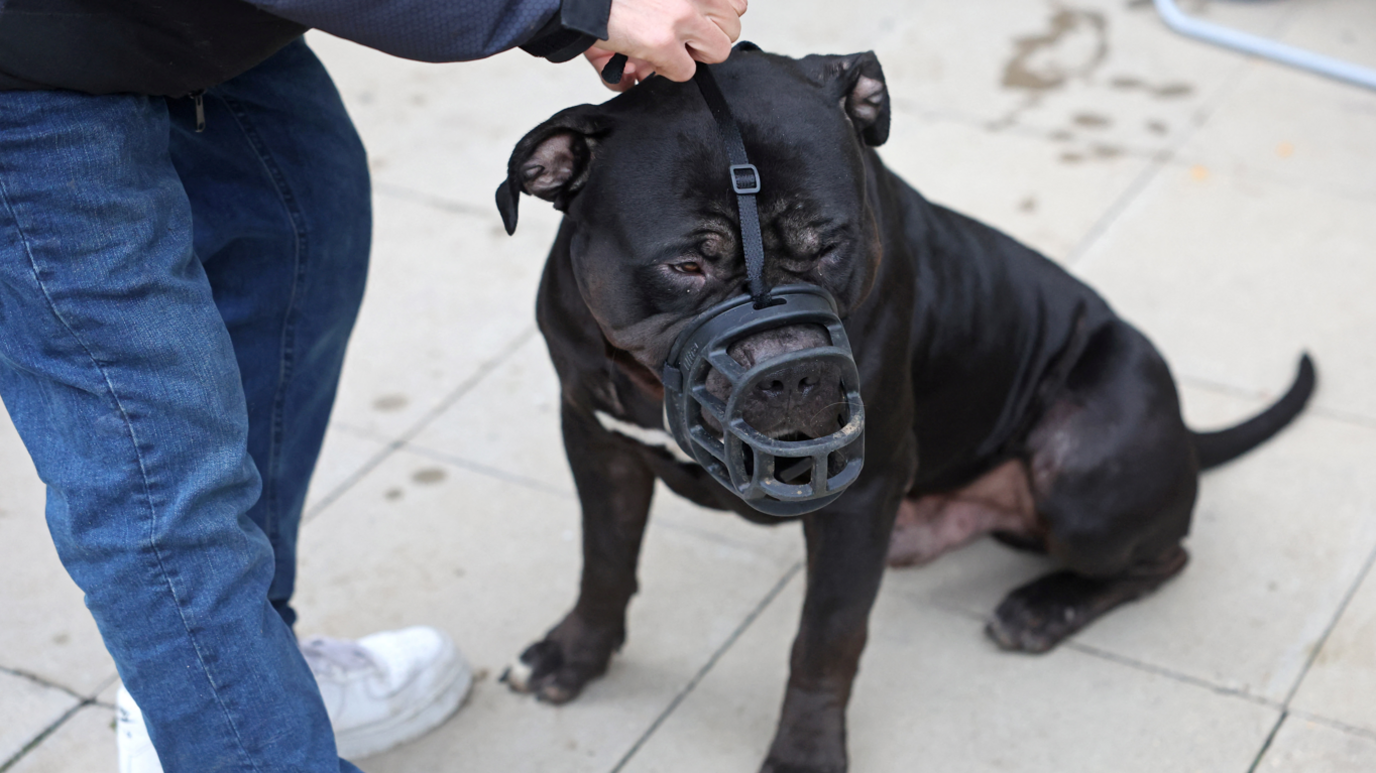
<point>368,740</point>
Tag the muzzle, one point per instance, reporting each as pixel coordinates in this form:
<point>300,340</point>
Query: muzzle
<point>774,476</point>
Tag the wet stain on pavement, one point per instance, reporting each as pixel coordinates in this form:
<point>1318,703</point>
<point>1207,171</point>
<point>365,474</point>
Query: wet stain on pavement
<point>1171,90</point>
<point>388,403</point>
<point>1074,46</point>
<point>1092,120</point>
<point>428,476</point>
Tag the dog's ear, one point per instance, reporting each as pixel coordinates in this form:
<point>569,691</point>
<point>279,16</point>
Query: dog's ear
<point>858,82</point>
<point>551,161</point>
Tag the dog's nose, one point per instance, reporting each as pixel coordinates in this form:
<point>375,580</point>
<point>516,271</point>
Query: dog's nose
<point>801,399</point>
<point>793,383</point>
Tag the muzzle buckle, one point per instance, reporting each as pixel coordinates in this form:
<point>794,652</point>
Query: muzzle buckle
<point>745,179</point>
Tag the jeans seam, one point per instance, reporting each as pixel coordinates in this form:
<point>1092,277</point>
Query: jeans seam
<point>287,349</point>
<point>143,469</point>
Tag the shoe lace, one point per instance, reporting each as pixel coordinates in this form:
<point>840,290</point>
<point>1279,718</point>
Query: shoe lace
<point>338,658</point>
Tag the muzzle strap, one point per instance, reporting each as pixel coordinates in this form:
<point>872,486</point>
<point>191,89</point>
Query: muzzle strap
<point>745,181</point>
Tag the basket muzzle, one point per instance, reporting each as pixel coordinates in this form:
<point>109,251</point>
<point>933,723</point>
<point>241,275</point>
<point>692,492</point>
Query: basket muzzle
<point>777,477</point>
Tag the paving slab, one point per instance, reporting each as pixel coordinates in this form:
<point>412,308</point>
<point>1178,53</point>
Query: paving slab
<point>1297,128</point>
<point>508,428</point>
<point>1233,278</point>
<point>346,454</point>
<point>1343,29</point>
<point>27,708</point>
<point>448,293</point>
<point>1304,746</point>
<point>85,743</point>
<point>446,131</point>
<point>45,629</point>
<point>932,695</point>
<point>496,564</point>
<point>1045,193</point>
<point>1342,682</point>
<point>1279,536</point>
<point>508,424</point>
<point>1102,76</point>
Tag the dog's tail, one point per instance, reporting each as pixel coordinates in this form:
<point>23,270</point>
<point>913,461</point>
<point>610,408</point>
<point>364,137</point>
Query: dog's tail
<point>1215,448</point>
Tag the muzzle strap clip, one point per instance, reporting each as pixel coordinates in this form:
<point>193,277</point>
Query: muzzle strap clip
<point>745,182</point>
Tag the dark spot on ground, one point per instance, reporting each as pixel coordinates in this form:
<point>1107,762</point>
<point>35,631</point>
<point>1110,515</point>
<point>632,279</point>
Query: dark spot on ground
<point>393,494</point>
<point>390,403</point>
<point>1028,204</point>
<point>1171,90</point>
<point>1092,120</point>
<point>428,475</point>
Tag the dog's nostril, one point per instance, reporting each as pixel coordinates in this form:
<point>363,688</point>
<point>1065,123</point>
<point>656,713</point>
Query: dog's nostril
<point>807,384</point>
<point>773,388</point>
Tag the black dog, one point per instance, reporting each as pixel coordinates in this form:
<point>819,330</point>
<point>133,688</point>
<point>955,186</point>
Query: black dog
<point>1004,396</point>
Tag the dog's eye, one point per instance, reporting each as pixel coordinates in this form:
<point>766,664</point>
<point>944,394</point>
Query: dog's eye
<point>689,267</point>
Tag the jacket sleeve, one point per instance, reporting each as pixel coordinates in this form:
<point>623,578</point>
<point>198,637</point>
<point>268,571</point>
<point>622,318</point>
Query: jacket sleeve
<point>454,30</point>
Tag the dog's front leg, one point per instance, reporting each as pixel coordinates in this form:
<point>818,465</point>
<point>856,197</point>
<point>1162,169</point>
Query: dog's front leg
<point>614,486</point>
<point>845,562</point>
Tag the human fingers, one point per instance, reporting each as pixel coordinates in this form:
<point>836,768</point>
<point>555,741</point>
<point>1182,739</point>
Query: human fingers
<point>710,43</point>
<point>670,34</point>
<point>634,71</point>
<point>599,58</point>
<point>728,22</point>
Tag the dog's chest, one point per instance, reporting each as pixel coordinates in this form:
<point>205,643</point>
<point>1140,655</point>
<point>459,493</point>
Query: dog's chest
<point>651,437</point>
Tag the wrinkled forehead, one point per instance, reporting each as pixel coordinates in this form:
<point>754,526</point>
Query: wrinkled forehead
<point>664,150</point>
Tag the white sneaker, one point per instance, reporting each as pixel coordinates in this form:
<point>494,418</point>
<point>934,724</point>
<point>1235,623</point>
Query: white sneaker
<point>389,688</point>
<point>136,754</point>
<point>380,692</point>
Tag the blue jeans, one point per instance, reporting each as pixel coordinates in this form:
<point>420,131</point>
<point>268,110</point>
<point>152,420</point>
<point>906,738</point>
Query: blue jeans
<point>174,309</point>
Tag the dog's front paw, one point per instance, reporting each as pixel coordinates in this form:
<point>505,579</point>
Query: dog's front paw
<point>556,669</point>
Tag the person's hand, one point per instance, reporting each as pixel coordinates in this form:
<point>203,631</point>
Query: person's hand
<point>668,37</point>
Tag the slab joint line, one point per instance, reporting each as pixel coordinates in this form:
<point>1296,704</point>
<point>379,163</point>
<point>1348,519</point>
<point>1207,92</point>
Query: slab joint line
<point>1314,654</point>
<point>43,736</point>
<point>402,440</point>
<point>1153,168</point>
<point>707,667</point>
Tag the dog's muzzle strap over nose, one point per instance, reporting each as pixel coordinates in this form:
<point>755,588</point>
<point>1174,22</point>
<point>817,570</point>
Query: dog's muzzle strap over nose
<point>745,181</point>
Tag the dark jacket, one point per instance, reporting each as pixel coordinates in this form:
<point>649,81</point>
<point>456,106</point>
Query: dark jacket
<point>178,47</point>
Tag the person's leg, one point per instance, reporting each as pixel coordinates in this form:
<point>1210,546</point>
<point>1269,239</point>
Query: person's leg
<point>121,377</point>
<point>279,191</point>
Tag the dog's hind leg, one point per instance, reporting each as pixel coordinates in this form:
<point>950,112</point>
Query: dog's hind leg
<point>1114,476</point>
<point>614,486</point>
<point>1043,613</point>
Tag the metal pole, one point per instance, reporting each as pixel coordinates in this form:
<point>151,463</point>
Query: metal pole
<point>1264,47</point>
